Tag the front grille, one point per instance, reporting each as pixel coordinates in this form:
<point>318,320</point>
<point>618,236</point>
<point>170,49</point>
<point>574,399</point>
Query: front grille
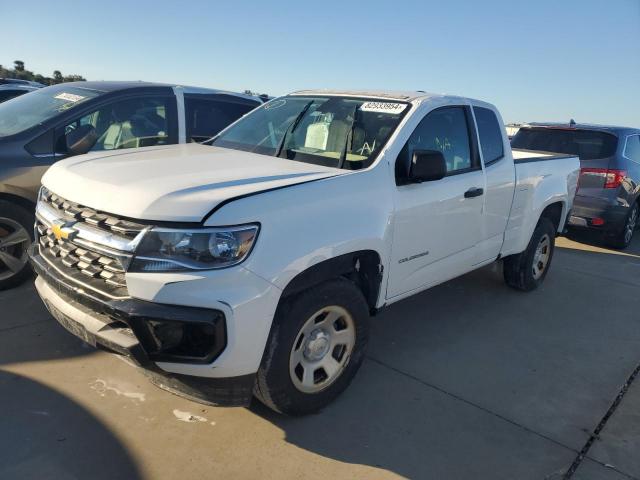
<point>91,248</point>
<point>75,211</point>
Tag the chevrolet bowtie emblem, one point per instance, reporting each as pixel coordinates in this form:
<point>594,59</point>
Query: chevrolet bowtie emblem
<point>62,232</point>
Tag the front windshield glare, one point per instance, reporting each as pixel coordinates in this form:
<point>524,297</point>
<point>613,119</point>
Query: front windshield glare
<point>331,131</point>
<point>26,111</point>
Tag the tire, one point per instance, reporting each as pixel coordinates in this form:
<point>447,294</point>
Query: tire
<point>622,239</point>
<point>525,271</point>
<point>16,235</point>
<point>292,351</point>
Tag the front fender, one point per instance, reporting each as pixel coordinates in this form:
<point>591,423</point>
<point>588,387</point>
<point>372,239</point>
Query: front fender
<point>306,224</point>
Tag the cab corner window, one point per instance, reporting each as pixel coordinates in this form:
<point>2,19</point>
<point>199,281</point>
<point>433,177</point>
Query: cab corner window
<point>490,135</point>
<point>130,123</point>
<point>444,130</point>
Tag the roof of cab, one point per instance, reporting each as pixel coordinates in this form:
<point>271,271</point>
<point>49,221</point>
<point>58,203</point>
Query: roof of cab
<point>404,96</point>
<point>113,86</point>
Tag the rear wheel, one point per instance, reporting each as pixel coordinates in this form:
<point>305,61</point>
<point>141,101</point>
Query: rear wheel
<point>623,238</point>
<point>526,271</point>
<point>315,348</point>
<point>16,234</point>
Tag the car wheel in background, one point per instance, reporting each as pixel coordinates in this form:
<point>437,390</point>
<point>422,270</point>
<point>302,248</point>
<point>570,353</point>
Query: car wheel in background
<point>315,348</point>
<point>623,238</point>
<point>526,271</point>
<point>16,235</point>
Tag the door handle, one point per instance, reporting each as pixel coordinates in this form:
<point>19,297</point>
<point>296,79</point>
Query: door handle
<point>473,192</point>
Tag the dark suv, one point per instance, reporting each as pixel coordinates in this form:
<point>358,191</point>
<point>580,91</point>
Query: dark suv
<point>609,186</point>
<point>52,123</point>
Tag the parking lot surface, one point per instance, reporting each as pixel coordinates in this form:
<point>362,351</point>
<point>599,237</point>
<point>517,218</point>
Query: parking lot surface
<point>467,380</point>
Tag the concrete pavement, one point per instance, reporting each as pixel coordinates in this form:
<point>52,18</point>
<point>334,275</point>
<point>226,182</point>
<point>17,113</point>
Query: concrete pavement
<point>468,380</point>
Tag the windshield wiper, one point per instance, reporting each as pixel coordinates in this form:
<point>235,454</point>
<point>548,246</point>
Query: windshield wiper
<point>292,128</point>
<point>349,139</point>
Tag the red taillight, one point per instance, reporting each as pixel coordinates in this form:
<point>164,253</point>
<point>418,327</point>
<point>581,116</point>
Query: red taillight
<point>612,178</point>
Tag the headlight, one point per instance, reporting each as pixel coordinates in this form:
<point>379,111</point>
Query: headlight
<point>170,250</point>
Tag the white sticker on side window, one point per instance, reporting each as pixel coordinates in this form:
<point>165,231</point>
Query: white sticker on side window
<point>69,97</point>
<point>383,107</point>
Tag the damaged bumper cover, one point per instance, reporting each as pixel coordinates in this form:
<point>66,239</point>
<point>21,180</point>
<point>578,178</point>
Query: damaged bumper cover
<point>129,327</point>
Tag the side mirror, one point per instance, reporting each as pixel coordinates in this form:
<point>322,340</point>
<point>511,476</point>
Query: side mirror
<point>427,166</point>
<point>81,139</point>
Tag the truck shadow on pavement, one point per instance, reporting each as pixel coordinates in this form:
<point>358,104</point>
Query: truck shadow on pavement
<point>45,434</point>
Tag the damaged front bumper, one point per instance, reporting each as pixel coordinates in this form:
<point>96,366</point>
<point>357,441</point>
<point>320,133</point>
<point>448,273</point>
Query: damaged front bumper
<point>122,327</point>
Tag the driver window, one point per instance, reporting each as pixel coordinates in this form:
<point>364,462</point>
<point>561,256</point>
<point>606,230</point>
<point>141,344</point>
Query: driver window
<point>130,123</point>
<point>445,130</point>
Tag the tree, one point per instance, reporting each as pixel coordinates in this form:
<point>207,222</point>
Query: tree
<point>20,72</point>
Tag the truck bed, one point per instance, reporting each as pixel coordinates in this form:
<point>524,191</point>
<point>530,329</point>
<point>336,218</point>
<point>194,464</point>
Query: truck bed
<point>536,178</point>
<point>526,156</point>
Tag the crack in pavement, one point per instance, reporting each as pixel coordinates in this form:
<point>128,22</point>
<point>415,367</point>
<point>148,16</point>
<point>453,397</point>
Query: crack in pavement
<point>596,432</point>
<point>580,454</point>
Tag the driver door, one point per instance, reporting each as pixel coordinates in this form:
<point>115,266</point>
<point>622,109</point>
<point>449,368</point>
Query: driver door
<point>437,223</point>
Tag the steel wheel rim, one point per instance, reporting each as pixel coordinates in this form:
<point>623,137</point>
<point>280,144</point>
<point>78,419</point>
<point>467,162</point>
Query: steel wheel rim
<point>322,349</point>
<point>541,257</point>
<point>631,224</point>
<point>14,244</point>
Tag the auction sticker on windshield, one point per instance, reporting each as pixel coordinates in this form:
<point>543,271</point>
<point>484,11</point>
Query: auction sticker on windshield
<point>383,107</point>
<point>69,97</point>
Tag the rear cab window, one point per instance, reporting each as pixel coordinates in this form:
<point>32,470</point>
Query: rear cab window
<point>490,133</point>
<point>585,143</point>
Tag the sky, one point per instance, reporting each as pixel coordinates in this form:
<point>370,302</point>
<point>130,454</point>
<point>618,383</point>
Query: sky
<point>547,60</point>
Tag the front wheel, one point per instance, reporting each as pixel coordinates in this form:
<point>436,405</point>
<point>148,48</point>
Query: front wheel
<point>526,271</point>
<point>315,348</point>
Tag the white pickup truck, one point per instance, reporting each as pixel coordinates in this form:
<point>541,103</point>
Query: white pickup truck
<point>251,265</point>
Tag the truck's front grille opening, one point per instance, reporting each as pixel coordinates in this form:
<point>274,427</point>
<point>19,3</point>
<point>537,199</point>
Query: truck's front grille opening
<point>103,221</point>
<point>100,271</point>
<point>90,247</point>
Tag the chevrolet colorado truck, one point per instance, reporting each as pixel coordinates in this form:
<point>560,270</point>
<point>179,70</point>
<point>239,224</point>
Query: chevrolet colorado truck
<point>250,266</point>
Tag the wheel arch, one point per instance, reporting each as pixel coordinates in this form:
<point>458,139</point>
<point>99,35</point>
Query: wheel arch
<point>556,213</point>
<point>363,267</point>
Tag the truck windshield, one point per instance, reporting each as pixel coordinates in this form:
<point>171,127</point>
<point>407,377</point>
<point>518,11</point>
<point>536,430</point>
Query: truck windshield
<point>331,131</point>
<point>586,144</point>
<point>26,111</point>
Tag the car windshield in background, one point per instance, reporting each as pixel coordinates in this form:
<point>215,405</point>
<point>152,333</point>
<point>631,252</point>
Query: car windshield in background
<point>331,131</point>
<point>587,144</point>
<point>26,111</point>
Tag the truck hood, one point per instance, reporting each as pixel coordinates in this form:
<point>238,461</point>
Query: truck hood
<point>180,183</point>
